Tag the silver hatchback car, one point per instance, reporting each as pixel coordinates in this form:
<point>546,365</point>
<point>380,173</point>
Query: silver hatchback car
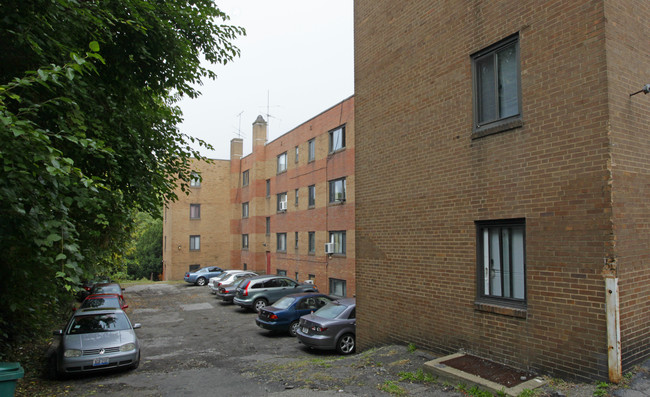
<point>261,291</point>
<point>96,339</point>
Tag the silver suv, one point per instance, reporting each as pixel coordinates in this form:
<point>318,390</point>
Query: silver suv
<point>261,291</point>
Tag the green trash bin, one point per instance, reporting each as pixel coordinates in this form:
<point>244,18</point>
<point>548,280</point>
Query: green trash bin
<point>9,374</point>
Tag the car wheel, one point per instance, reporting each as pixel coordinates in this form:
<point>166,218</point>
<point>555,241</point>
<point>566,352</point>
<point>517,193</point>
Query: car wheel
<point>293,328</point>
<point>346,344</point>
<point>259,304</point>
<point>200,282</point>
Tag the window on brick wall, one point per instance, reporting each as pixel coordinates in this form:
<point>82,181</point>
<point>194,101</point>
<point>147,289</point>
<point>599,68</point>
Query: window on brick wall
<point>497,99</point>
<point>502,260</point>
<point>268,225</point>
<point>337,287</point>
<point>297,155</point>
<point>337,190</point>
<point>195,243</point>
<point>337,139</point>
<point>195,180</point>
<point>282,162</point>
<point>268,188</point>
<point>312,150</point>
<point>282,202</point>
<point>244,241</point>
<point>312,242</point>
<point>296,245</point>
<point>312,195</point>
<point>244,210</point>
<point>296,200</point>
<point>281,245</point>
<point>195,211</point>
<point>338,238</point>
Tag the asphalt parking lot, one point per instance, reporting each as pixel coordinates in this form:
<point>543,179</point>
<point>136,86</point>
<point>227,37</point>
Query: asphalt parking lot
<point>195,345</point>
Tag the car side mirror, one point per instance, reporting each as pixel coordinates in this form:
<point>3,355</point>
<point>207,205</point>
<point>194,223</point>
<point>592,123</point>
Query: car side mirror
<point>137,325</point>
<point>57,332</point>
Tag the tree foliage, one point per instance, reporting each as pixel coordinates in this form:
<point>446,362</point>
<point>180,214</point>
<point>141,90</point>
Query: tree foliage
<point>88,136</point>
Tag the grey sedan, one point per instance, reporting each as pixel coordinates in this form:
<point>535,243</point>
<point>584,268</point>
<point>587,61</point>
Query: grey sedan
<point>331,327</point>
<point>96,339</point>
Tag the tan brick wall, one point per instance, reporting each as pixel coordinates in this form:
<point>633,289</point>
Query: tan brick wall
<point>422,181</point>
<point>324,217</point>
<point>213,226</point>
<point>628,69</point>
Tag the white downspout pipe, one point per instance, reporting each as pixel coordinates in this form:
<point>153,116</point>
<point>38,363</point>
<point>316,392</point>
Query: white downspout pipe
<point>613,329</point>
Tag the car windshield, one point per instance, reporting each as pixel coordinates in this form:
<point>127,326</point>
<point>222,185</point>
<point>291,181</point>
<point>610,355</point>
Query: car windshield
<point>98,323</point>
<point>222,276</point>
<point>331,310</point>
<point>101,302</point>
<point>108,289</point>
<point>285,302</point>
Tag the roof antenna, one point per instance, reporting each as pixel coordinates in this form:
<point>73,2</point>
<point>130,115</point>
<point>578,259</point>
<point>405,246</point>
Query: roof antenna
<point>238,133</point>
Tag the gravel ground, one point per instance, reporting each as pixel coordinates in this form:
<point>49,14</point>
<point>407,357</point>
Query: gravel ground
<point>193,344</point>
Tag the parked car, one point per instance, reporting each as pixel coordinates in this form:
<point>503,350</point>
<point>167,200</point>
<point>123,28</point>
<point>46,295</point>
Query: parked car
<point>332,327</point>
<point>201,276</point>
<point>261,291</point>
<point>103,301</point>
<point>285,314</point>
<point>227,291</point>
<point>228,277</point>
<point>107,288</point>
<point>88,285</point>
<point>96,339</point>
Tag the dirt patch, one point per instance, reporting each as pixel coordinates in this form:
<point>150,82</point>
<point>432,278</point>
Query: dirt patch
<point>486,369</point>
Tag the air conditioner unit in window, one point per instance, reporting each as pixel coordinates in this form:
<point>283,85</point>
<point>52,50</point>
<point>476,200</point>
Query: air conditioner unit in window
<point>329,248</point>
<point>283,205</point>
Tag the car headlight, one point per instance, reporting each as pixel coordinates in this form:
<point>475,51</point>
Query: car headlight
<point>127,347</point>
<point>72,353</point>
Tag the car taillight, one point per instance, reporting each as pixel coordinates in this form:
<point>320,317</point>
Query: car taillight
<point>273,317</point>
<point>246,290</point>
<point>319,329</point>
<point>87,289</point>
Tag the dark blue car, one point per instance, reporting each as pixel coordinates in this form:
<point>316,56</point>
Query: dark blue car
<point>285,314</point>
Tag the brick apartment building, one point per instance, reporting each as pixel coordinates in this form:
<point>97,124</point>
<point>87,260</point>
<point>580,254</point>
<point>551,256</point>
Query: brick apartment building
<point>274,210</point>
<point>502,180</point>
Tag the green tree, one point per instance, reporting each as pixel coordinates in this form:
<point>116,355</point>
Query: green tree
<point>88,136</point>
<point>145,257</point>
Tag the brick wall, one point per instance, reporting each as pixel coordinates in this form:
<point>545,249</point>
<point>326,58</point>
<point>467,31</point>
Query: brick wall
<point>423,180</point>
<point>212,226</point>
<point>321,219</point>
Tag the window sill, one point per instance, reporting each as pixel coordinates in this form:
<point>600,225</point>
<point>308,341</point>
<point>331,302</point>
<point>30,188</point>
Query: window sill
<point>311,253</point>
<point>336,151</point>
<point>335,203</point>
<point>311,207</point>
<point>511,311</point>
<point>337,255</point>
<point>281,172</point>
<point>497,127</point>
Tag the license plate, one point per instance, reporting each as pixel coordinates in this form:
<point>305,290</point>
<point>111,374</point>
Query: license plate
<point>100,361</point>
<point>304,330</point>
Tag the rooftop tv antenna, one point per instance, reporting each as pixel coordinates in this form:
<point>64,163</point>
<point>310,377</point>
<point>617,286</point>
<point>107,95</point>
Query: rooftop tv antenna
<point>238,132</point>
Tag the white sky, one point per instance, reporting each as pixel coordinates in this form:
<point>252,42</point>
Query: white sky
<point>297,57</point>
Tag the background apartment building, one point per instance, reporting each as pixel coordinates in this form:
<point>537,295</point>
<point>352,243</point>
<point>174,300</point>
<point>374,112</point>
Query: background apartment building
<point>274,210</point>
<point>293,195</point>
<point>503,177</point>
<point>196,227</point>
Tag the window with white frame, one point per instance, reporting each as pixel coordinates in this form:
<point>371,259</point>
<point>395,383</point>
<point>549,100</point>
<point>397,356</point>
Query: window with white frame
<point>244,210</point>
<point>338,287</point>
<point>312,195</point>
<point>195,211</point>
<point>244,241</point>
<point>337,139</point>
<point>282,162</point>
<point>282,201</point>
<point>501,255</point>
<point>312,150</point>
<point>338,238</point>
<point>312,242</point>
<point>337,190</point>
<point>281,245</point>
<point>195,243</point>
<point>195,180</point>
<point>496,74</point>
<point>244,178</point>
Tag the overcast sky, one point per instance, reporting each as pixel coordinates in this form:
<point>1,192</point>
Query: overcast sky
<point>296,59</point>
